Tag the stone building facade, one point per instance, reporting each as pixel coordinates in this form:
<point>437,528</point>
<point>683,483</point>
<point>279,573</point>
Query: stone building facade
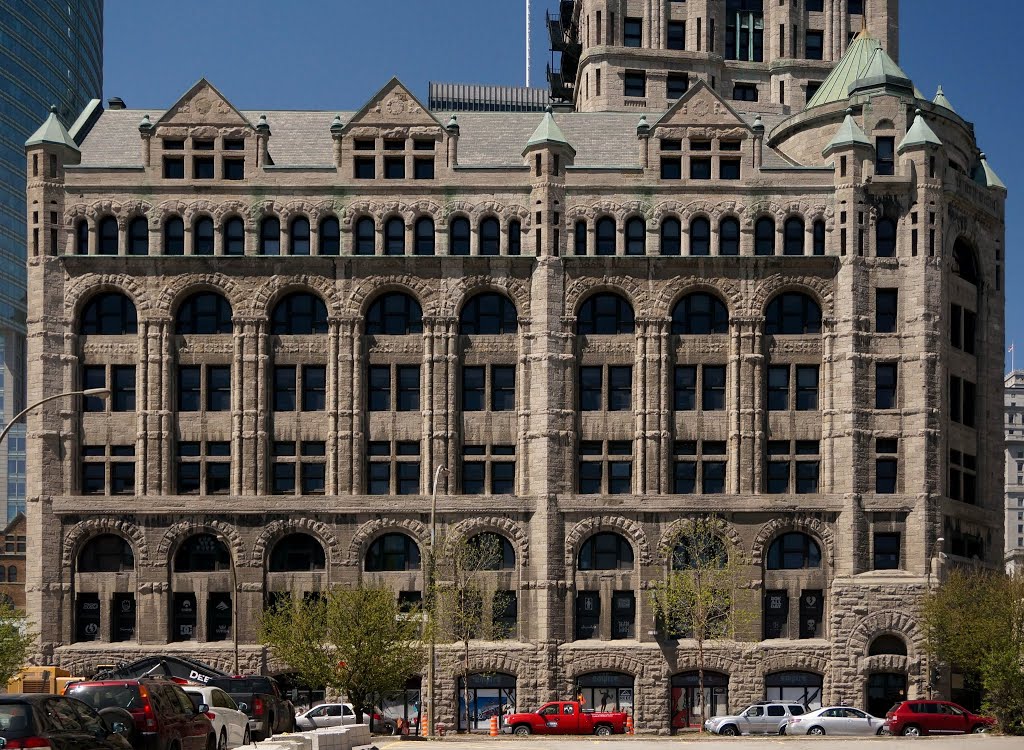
<point>1014,426</point>
<point>601,324</point>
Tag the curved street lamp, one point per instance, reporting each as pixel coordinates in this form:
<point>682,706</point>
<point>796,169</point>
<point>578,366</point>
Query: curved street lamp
<point>89,392</point>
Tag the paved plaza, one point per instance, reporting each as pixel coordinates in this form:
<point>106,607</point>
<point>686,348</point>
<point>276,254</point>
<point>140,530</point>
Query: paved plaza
<point>957,742</point>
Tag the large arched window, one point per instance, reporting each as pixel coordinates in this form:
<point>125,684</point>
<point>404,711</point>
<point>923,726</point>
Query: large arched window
<point>202,553</point>
<point>394,236</point>
<point>700,314</point>
<point>298,236</point>
<point>580,238</point>
<point>515,238</point>
<point>700,236</point>
<point>490,236</point>
<point>606,236</point>
<point>392,552</point>
<point>82,237</point>
<point>365,239</point>
<point>299,314</point>
<point>489,314</point>
<point>297,553</point>
<point>605,314</point>
<point>888,644</point>
<point>729,236</point>
<point>203,313</point>
<point>793,551</point>
<point>329,236</point>
<point>606,551</point>
<point>793,232</point>
<point>202,236</point>
<point>234,236</point>
<point>764,236</point>
<point>965,262</point>
<point>270,236</point>
<point>671,237</point>
<point>394,314</point>
<point>792,314</point>
<point>636,236</point>
<point>138,236</point>
<point>458,236</point>
<point>109,314</point>
<point>885,238</point>
<point>107,230</point>
<point>424,236</point>
<point>174,236</point>
<point>493,551</point>
<point>107,553</point>
<point>819,237</point>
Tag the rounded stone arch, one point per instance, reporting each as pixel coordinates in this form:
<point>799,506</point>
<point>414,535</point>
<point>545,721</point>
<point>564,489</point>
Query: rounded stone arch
<point>819,289</point>
<point>426,208</point>
<point>764,208</point>
<point>627,527</point>
<point>886,622</point>
<point>455,209</point>
<point>367,533</point>
<point>795,661</point>
<point>74,214</point>
<point>492,661</point>
<point>274,531</point>
<point>296,208</point>
<point>82,533</point>
<point>182,530</point>
<point>727,290</point>
<point>166,210</point>
<point>819,212</point>
<point>133,209</point>
<point>389,209</point>
<point>356,210</point>
<point>813,527</point>
<point>468,287</point>
<point>580,212</point>
<point>262,209</point>
<point>665,210</point>
<point>199,208</point>
<point>888,663</point>
<point>227,209</point>
<point>104,207</point>
<point>696,209</point>
<point>579,290</point>
<point>505,527</point>
<point>276,288</point>
<point>714,661</point>
<point>605,662</point>
<point>84,288</point>
<point>735,209</point>
<point>726,532</point>
<point>364,294</point>
<point>884,124</point>
<point>515,212</point>
<point>178,288</point>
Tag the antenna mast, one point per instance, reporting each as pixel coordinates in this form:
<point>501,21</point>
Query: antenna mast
<point>527,43</point>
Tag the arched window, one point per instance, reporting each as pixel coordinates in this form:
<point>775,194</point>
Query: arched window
<point>605,314</point>
<point>202,236</point>
<point>490,236</point>
<point>424,236</point>
<point>606,551</point>
<point>729,236</point>
<point>700,314</point>
<point>488,314</point>
<point>515,238</point>
<point>458,236</point>
<point>965,262</point>
<point>792,314</point>
<point>885,238</point>
<point>110,314</point>
<point>764,236</point>
<point>793,231</point>
<point>107,236</point>
<point>606,236</point>
<point>298,239</point>
<point>819,237</point>
<point>888,644</point>
<point>107,553</point>
<point>493,551</point>
<point>234,236</point>
<point>299,314</point>
<point>671,237</point>
<point>580,238</point>
<point>392,552</point>
<point>270,236</point>
<point>329,236</point>
<point>174,236</point>
<point>365,240</point>
<point>794,551</point>
<point>202,553</point>
<point>394,236</point>
<point>297,553</point>
<point>700,236</point>
<point>700,551</point>
<point>82,237</point>
<point>203,313</point>
<point>394,314</point>
<point>138,236</point>
<point>636,240</point>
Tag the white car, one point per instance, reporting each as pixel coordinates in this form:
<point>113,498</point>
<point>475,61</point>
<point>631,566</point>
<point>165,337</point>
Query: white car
<point>229,722</point>
<point>835,720</point>
<point>326,715</point>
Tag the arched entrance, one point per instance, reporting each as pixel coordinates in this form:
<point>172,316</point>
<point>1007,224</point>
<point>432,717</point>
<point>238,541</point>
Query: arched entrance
<point>606,691</point>
<point>490,694</point>
<point>884,690</point>
<point>799,687</point>
<point>686,707</point>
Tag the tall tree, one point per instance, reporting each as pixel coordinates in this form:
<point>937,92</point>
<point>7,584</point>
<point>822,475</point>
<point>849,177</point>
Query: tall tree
<point>17,639</point>
<point>356,641</point>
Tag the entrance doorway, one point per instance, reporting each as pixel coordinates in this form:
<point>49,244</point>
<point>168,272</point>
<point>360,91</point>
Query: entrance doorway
<point>492,694</point>
<point>687,708</point>
<point>885,689</point>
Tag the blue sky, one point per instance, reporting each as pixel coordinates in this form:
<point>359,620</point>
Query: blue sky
<point>334,54</point>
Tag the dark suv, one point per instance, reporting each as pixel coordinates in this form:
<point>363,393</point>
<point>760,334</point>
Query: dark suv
<point>160,714</point>
<point>916,718</point>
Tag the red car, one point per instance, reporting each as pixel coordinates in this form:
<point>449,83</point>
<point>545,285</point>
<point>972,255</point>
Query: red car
<point>566,717</point>
<point>917,718</point>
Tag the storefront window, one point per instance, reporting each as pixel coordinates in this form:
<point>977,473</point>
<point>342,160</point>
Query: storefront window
<point>492,694</point>
<point>606,691</point>
<point>798,687</point>
<point>688,710</point>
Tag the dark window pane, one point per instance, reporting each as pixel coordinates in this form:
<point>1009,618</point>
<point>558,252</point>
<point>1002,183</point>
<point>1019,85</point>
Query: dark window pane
<point>379,384</point>
<point>503,387</point>
<point>458,236</point>
<point>503,475</point>
<point>473,389</point>
<point>218,388</point>
<point>473,477</point>
<point>685,388</point>
<point>408,377</point>
<point>620,388</point>
<point>713,394</point>
<point>123,388</point>
<point>314,388</point>
<point>590,388</point>
<point>94,376</point>
<point>189,388</point>
<point>329,237</point>
<point>284,388</point>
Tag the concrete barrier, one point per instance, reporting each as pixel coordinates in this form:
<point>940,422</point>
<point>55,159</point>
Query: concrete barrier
<point>330,738</point>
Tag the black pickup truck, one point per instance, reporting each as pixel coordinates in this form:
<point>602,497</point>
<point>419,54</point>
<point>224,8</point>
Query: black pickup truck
<point>260,697</point>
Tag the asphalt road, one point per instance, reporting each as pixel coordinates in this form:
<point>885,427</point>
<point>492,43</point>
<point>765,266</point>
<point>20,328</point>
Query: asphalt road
<point>958,742</point>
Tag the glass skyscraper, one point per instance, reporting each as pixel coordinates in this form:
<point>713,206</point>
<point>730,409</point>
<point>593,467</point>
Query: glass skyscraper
<point>51,53</point>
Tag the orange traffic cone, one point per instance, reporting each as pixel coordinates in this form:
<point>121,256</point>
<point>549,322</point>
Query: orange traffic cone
<point>494,726</point>
<point>629,725</point>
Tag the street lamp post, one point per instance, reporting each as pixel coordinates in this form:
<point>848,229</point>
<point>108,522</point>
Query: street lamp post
<point>98,392</point>
<point>234,595</point>
<point>931,562</point>
<point>430,602</point>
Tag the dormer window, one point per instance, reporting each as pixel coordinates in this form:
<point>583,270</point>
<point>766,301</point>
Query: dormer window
<point>363,168</point>
<point>174,168</point>
<point>421,144</point>
<point>676,84</point>
<point>885,153</point>
<point>423,168</point>
<point>729,145</point>
<point>394,144</point>
<point>202,168</point>
<point>234,169</point>
<point>671,144</point>
<point>394,168</point>
<point>744,92</point>
<point>700,145</point>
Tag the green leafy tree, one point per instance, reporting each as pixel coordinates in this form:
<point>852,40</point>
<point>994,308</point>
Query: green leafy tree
<point>356,641</point>
<point>17,639</point>
<point>975,622</point>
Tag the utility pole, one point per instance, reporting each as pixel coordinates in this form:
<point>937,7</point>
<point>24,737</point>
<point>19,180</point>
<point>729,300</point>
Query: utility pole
<point>527,43</point>
<point>431,560</point>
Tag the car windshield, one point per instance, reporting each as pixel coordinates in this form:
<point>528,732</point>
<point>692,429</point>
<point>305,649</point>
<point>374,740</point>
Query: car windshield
<point>196,698</point>
<point>15,719</point>
<point>107,696</point>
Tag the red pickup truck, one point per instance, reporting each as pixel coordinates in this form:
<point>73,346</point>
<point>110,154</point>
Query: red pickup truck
<point>566,717</point>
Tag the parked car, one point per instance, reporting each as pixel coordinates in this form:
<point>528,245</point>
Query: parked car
<point>835,720</point>
<point>765,717</point>
<point>230,724</point>
<point>260,697</point>
<point>326,715</point>
<point>160,714</point>
<point>916,718</point>
<point>53,721</point>
<point>565,717</point>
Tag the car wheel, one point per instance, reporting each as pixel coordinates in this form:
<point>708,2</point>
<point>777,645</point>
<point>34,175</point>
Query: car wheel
<point>522,730</point>
<point>211,742</point>
<point>246,737</point>
<point>816,731</point>
<point>391,729</point>
<point>912,730</point>
<point>222,743</point>
<point>728,731</point>
<point>979,729</point>
<point>782,730</point>
<point>603,730</point>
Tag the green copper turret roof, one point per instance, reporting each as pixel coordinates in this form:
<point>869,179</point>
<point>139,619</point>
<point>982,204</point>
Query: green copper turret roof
<point>941,100</point>
<point>52,131</point>
<point>548,132</point>
<point>848,134</point>
<point>987,176</point>
<point>881,71</point>
<point>919,134</point>
<point>864,61</point>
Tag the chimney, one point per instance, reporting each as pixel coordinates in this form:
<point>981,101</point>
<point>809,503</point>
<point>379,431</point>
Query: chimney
<point>115,102</point>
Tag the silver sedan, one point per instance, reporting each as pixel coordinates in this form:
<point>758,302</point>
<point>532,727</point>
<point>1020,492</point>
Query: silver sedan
<point>835,720</point>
